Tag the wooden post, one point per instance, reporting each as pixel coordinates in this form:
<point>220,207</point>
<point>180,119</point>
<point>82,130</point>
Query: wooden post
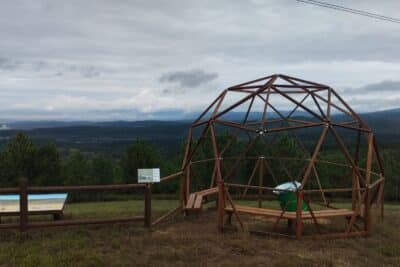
<point>213,177</point>
<point>367,223</point>
<point>187,188</point>
<point>369,159</point>
<point>147,205</point>
<point>355,182</point>
<point>221,205</point>
<point>185,179</point>
<point>23,204</point>
<point>260,180</point>
<point>220,182</point>
<point>367,219</point>
<point>299,221</point>
<point>182,194</point>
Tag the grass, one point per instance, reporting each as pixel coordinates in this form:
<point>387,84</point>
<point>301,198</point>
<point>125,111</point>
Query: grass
<point>192,241</point>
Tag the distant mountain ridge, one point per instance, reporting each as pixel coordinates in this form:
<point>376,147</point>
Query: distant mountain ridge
<point>389,116</point>
<point>114,136</point>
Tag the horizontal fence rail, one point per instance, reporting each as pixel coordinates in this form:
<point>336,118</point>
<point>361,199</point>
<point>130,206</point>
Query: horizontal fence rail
<point>82,188</point>
<point>331,190</point>
<point>23,190</point>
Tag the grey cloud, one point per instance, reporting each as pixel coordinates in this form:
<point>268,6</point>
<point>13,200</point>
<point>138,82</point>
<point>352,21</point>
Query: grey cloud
<point>9,64</point>
<point>128,47</point>
<point>375,96</point>
<point>90,72</point>
<point>383,87</point>
<point>189,79</point>
<point>39,65</point>
<point>167,91</point>
<point>173,90</point>
<point>367,105</point>
<point>86,71</point>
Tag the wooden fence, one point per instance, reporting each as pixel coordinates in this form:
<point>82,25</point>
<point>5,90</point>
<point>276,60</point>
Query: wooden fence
<point>23,190</point>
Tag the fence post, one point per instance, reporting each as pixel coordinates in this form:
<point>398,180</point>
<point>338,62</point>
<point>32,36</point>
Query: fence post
<point>147,205</point>
<point>23,204</point>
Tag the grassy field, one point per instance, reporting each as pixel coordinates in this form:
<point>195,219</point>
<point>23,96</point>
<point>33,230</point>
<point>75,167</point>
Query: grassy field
<point>190,241</point>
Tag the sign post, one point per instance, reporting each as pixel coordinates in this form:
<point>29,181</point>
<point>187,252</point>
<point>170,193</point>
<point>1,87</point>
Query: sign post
<point>148,177</point>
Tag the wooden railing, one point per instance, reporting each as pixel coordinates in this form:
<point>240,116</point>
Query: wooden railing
<point>23,190</point>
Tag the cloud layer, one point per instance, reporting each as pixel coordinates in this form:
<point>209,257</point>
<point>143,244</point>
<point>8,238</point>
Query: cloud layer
<point>74,58</point>
<point>190,79</point>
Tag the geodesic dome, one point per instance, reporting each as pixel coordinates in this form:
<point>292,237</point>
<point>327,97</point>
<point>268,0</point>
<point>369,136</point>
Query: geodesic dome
<point>280,128</point>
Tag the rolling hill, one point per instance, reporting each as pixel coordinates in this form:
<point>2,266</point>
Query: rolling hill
<point>114,136</point>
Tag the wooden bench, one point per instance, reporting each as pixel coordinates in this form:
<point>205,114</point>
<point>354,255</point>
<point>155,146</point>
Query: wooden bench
<point>195,200</point>
<point>291,215</point>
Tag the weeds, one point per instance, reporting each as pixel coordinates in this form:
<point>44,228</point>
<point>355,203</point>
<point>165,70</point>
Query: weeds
<point>192,241</point>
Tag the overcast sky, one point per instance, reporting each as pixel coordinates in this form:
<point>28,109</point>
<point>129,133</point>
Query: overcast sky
<point>120,59</point>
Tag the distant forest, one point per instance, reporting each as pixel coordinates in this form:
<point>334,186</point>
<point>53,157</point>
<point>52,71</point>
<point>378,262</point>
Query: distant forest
<point>76,162</point>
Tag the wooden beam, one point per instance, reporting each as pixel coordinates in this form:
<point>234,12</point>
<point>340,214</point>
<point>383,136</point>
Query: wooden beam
<point>166,215</point>
<point>267,85</point>
<point>208,108</point>
<point>346,153</point>
<point>228,196</point>
<point>220,182</point>
<point>307,201</point>
<point>314,156</point>
<point>251,177</point>
<point>235,125</point>
<point>253,81</point>
<point>369,159</point>
<point>219,103</point>
<point>147,205</point>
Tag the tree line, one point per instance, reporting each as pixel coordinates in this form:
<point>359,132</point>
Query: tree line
<point>43,165</point>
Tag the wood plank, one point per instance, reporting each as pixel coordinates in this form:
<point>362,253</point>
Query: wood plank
<point>198,202</point>
<point>85,221</point>
<point>256,211</point>
<point>290,214</point>
<point>190,202</point>
<point>208,191</point>
<point>328,213</point>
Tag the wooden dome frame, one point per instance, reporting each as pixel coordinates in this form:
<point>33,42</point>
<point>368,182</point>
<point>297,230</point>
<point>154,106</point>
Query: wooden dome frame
<point>367,185</point>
